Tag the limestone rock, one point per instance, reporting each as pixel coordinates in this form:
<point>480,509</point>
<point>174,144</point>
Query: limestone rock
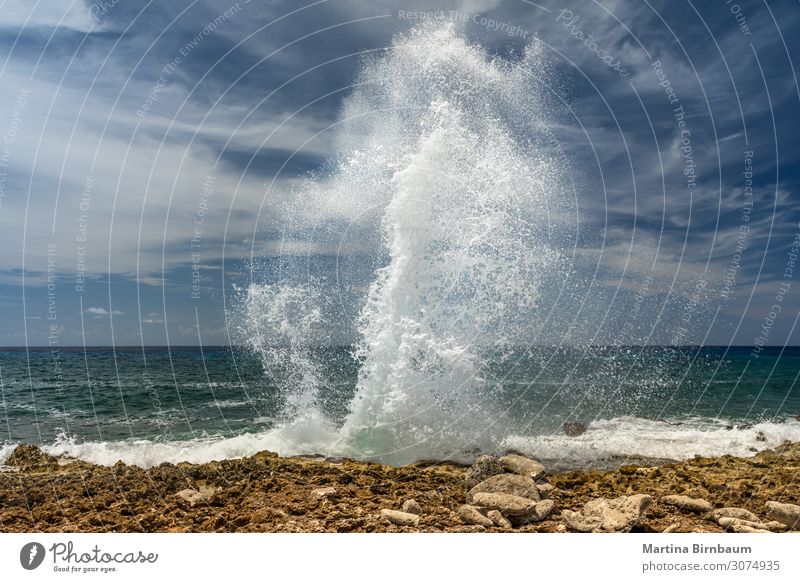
<point>608,515</point>
<point>786,513</point>
<point>737,512</point>
<point>736,524</point>
<point>193,496</point>
<point>545,489</point>
<point>484,467</point>
<point>522,466</point>
<point>544,508</point>
<point>508,505</point>
<point>28,457</point>
<point>400,517</point>
<point>686,503</point>
<point>512,484</point>
<point>775,526</point>
<point>411,506</point>
<point>322,492</point>
<point>498,519</point>
<point>471,516</point>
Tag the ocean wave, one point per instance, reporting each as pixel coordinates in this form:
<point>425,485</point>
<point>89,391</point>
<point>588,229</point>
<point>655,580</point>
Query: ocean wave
<point>617,437</point>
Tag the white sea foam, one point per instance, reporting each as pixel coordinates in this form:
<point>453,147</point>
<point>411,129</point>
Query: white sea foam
<point>617,437</point>
<point>442,149</point>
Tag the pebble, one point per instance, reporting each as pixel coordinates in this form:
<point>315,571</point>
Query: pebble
<point>508,505</point>
<point>522,466</point>
<point>737,512</point>
<point>471,516</point>
<point>512,484</point>
<point>498,519</point>
<point>484,467</point>
<point>411,506</point>
<point>322,492</point>
<point>786,513</point>
<point>400,517</point>
<point>684,502</point>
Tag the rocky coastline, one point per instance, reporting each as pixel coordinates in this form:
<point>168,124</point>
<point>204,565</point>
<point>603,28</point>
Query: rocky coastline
<point>508,493</point>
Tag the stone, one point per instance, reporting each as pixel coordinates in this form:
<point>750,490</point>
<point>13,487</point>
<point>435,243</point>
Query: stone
<point>545,489</point>
<point>686,503</point>
<point>322,492</point>
<point>775,526</point>
<point>522,466</point>
<point>574,429</point>
<point>512,484</point>
<point>193,496</point>
<point>27,457</point>
<point>508,505</point>
<point>737,512</point>
<point>484,467</point>
<point>400,517</point>
<point>734,523</point>
<point>671,528</point>
<point>785,513</point>
<point>608,515</point>
<point>498,519</point>
<point>411,506</point>
<point>543,509</point>
<point>472,516</point>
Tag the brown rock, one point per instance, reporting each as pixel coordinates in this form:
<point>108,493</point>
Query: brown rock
<point>484,467</point>
<point>544,489</point>
<point>498,519</point>
<point>322,492</point>
<point>28,457</point>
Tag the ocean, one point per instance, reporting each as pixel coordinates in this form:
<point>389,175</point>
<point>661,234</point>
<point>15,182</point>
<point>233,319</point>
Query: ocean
<point>157,404</point>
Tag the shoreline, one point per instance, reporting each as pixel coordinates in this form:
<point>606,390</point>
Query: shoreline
<point>268,493</point>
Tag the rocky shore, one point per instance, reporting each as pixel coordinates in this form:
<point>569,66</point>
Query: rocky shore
<point>509,493</point>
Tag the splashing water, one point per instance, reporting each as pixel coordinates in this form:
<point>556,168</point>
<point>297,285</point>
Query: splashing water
<point>441,151</point>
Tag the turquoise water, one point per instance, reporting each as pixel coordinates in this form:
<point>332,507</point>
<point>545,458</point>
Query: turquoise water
<point>159,404</point>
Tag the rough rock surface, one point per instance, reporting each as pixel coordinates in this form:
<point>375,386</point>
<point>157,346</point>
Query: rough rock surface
<point>545,489</point>
<point>574,429</point>
<point>472,516</point>
<point>608,515</point>
<point>484,467</point>
<point>686,503</point>
<point>522,466</point>
<point>411,506</point>
<point>498,519</point>
<point>268,493</point>
<point>785,513</point>
<point>737,512</point>
<point>508,505</point>
<point>400,517</point>
<point>512,484</point>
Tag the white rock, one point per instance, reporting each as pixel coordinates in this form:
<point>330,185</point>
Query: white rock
<point>737,512</point>
<point>472,516</point>
<point>608,515</point>
<point>400,517</point>
<point>686,503</point>
<point>411,506</point>
<point>498,519</point>
<point>322,492</point>
<point>786,513</point>
<point>508,505</point>
<point>512,484</point>
<point>522,466</point>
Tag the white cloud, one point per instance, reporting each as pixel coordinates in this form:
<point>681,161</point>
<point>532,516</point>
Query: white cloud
<point>72,14</point>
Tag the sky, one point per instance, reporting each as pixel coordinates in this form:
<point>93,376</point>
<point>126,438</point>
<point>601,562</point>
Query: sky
<point>149,151</point>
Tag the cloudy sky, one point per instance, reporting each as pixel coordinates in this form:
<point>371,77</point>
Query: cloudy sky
<point>149,151</point>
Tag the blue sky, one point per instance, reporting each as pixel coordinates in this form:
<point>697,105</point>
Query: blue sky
<point>130,128</point>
